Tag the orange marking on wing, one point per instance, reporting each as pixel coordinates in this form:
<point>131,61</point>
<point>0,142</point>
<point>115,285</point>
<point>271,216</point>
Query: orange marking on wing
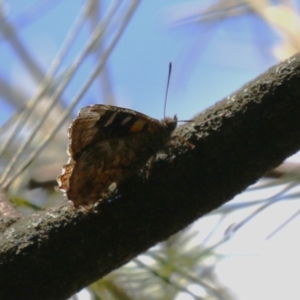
<point>138,126</point>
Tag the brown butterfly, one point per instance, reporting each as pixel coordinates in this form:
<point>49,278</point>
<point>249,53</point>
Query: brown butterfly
<point>107,145</point>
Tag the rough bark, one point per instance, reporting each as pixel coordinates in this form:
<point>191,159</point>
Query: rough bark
<point>55,253</point>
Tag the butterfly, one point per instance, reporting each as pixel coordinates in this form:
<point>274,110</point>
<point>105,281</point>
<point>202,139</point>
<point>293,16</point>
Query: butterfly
<point>109,144</point>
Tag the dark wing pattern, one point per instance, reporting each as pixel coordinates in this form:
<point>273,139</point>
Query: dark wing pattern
<point>101,122</point>
<point>107,145</point>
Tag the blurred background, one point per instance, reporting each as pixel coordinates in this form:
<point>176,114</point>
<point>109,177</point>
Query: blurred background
<point>58,56</point>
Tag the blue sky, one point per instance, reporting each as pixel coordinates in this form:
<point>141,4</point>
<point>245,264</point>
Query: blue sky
<point>209,61</point>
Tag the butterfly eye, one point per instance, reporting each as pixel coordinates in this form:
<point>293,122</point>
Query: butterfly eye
<point>172,125</point>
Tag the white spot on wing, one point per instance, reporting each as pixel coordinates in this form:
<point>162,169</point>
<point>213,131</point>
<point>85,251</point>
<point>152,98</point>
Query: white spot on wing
<point>111,119</point>
<point>126,120</point>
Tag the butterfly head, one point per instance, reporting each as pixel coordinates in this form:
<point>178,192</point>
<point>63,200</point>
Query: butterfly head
<point>170,123</point>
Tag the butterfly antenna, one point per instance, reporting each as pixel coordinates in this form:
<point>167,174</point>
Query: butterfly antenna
<point>167,90</point>
<point>166,96</point>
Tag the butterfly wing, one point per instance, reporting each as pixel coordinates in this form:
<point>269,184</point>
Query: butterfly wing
<point>101,122</point>
<point>105,164</point>
<point>107,145</point>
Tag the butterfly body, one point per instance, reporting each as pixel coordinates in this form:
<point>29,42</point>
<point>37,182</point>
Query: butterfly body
<point>108,144</point>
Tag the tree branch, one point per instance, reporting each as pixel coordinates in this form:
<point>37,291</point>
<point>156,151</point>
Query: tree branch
<point>8,213</point>
<point>53,254</point>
